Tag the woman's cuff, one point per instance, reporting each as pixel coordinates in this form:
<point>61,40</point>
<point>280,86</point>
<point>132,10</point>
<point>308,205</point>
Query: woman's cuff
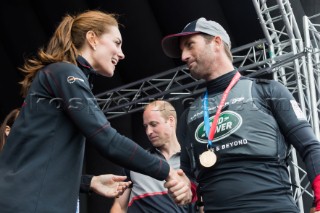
<point>85,183</point>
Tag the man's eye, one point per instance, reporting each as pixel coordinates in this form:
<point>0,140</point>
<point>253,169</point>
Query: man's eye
<point>153,124</point>
<point>189,45</point>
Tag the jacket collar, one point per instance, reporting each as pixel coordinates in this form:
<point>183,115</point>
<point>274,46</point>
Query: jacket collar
<point>86,68</point>
<point>84,65</point>
<point>219,84</point>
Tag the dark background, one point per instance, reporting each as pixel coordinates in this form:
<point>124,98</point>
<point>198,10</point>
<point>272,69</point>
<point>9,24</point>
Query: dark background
<point>28,25</point>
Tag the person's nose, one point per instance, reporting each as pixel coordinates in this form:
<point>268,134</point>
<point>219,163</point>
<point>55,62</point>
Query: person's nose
<point>149,131</point>
<point>185,55</point>
<point>121,55</point>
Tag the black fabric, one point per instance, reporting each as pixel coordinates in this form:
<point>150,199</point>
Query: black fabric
<point>85,183</point>
<point>251,171</point>
<point>41,163</point>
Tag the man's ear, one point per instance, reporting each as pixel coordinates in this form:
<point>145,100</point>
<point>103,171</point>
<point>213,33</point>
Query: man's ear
<point>172,120</point>
<point>217,40</point>
<point>7,130</point>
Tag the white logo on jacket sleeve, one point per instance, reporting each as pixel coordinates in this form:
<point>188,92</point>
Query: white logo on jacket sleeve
<point>72,79</point>
<point>300,115</point>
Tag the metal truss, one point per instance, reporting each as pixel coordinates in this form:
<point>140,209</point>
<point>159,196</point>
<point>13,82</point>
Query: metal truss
<point>282,54</point>
<point>283,36</point>
<point>172,84</point>
<point>312,44</point>
<point>284,40</point>
<point>176,83</point>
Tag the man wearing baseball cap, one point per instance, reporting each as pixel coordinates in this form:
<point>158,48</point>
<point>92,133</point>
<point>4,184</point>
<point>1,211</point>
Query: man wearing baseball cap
<point>170,43</point>
<point>240,130</point>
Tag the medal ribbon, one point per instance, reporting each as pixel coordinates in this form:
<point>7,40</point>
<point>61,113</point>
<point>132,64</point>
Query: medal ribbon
<point>210,132</point>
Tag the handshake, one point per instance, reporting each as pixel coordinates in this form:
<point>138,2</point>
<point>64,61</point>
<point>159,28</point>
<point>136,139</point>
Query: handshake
<point>177,183</point>
<point>179,187</point>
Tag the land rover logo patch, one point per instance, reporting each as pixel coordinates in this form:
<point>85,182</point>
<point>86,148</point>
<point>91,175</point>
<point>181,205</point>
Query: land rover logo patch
<point>228,123</point>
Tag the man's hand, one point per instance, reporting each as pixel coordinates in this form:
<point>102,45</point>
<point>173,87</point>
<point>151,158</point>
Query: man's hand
<point>178,185</point>
<point>109,185</point>
<point>313,210</point>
